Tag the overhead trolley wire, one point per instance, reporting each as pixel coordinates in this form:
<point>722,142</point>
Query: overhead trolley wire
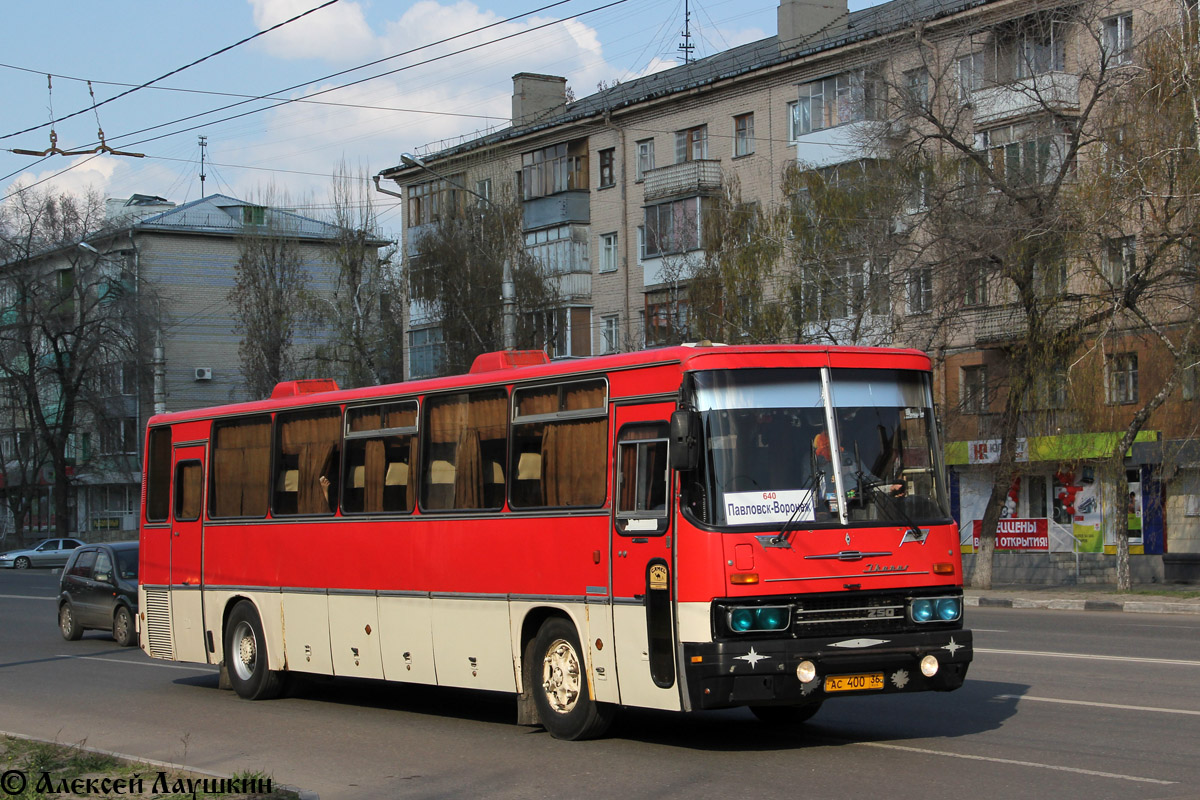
<point>167,75</point>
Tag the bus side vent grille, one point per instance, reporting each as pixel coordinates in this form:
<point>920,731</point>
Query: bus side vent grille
<point>158,623</point>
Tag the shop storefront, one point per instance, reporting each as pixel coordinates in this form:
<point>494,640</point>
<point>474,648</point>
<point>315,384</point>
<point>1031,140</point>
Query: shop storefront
<point>1057,502</point>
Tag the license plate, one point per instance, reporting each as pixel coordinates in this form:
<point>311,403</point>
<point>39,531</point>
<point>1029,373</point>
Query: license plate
<point>854,683</point>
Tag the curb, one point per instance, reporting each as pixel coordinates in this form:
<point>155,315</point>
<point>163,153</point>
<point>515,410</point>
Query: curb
<point>304,794</point>
<point>1079,604</point>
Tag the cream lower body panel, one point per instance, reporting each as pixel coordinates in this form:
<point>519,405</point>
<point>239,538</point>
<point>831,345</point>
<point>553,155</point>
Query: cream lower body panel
<point>406,638</point>
<point>593,624</point>
<point>472,643</point>
<point>354,635</point>
<point>187,624</point>
<point>306,632</point>
<point>633,662</point>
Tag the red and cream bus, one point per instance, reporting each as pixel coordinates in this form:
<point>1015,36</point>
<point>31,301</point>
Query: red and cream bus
<point>665,529</point>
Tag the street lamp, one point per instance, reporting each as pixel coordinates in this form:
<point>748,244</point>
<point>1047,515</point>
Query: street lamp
<point>507,293</point>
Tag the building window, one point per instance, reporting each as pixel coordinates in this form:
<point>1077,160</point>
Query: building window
<point>916,90</point>
<point>849,289</point>
<point>645,157</point>
<point>973,389</point>
<point>1051,388</point>
<point>429,201</point>
<point>1022,156</point>
<point>970,75</point>
<point>1120,259</point>
<point>607,168</point>
<point>119,436</point>
<point>675,227</point>
<point>743,135</point>
<point>483,190</point>
<point>920,290</point>
<point>608,252</point>
<point>838,100</point>
<point>1121,373</point>
<point>691,144</point>
<point>666,318</point>
<point>561,250</point>
<point>610,333</point>
<point>551,170</point>
<point>793,112</point>
<point>425,352</point>
<point>1118,39</point>
<point>1052,278</point>
<point>1191,382</point>
<point>254,215</point>
<point>1040,48</point>
<point>975,280</point>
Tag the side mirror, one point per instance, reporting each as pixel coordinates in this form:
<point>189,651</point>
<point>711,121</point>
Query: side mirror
<point>685,440</point>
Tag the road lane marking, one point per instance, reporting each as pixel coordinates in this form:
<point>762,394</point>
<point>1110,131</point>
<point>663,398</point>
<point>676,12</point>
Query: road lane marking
<point>1124,659</point>
<point>994,760</point>
<point>197,668</point>
<point>1119,706</point>
<point>24,597</point>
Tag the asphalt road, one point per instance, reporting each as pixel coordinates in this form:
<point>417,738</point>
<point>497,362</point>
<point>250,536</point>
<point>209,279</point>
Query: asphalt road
<point>1058,704</point>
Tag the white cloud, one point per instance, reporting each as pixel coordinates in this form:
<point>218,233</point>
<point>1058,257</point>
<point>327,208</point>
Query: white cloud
<point>337,33</point>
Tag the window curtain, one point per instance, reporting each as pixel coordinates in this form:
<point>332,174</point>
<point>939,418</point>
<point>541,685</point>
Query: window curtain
<point>241,469</point>
<point>573,463</point>
<point>312,440</point>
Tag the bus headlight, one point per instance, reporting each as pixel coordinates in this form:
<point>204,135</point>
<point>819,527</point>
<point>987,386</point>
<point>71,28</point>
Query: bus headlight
<point>935,609</point>
<point>744,619</point>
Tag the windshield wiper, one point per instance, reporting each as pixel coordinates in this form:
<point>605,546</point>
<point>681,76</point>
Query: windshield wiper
<point>784,537</point>
<point>895,504</point>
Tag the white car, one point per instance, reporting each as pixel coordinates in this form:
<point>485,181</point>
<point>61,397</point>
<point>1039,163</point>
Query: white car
<point>47,553</point>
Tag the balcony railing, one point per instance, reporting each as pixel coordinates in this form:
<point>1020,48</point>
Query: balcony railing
<point>1050,91</point>
<point>683,179</point>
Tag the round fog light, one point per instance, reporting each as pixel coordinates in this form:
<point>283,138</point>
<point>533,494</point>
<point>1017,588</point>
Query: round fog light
<point>929,666</point>
<point>806,671</point>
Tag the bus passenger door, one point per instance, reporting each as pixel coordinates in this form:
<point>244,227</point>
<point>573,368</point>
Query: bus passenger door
<point>187,607</point>
<point>642,559</point>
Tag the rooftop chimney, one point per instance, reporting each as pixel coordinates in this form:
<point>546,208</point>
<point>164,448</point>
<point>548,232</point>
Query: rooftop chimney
<point>536,97</point>
<point>805,21</point>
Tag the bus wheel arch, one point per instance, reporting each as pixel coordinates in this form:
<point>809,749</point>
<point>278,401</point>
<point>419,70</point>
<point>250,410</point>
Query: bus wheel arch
<point>246,653</point>
<point>556,677</point>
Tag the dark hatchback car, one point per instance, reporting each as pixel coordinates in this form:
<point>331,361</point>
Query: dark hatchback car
<point>99,591</point>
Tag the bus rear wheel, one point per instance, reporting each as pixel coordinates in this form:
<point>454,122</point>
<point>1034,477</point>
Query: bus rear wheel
<point>785,715</point>
<point>246,655</point>
<point>558,678</point>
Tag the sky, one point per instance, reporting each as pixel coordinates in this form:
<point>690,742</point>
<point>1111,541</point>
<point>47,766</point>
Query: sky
<point>435,81</point>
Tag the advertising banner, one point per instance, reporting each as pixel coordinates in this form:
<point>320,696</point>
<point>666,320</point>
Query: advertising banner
<point>1018,534</point>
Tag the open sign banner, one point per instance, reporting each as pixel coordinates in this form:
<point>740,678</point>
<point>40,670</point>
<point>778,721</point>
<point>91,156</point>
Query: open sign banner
<point>1018,534</point>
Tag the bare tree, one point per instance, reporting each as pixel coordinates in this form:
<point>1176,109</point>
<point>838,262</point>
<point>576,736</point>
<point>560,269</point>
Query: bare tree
<point>457,277</point>
<point>72,311</point>
<point>270,299</point>
<point>364,344</point>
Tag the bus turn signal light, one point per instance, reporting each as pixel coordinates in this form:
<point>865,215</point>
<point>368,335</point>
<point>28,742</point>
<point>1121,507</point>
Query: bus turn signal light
<point>743,578</point>
<point>943,568</point>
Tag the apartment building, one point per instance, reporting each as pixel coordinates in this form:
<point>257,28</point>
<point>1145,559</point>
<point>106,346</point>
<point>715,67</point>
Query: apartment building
<point>184,257</point>
<point>615,191</point>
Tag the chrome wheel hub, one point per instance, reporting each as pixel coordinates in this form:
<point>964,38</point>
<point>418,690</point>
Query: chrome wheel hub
<point>562,678</point>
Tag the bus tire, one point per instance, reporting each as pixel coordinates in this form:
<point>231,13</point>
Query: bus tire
<point>558,680</point>
<point>786,715</point>
<point>246,655</point>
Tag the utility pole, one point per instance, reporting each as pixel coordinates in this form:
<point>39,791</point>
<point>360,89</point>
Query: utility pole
<point>687,47</point>
<point>203,146</point>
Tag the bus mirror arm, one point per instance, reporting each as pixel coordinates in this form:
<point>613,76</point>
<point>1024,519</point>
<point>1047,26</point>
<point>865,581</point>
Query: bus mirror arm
<point>685,440</point>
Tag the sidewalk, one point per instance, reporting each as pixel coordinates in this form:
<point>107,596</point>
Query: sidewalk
<point>1145,598</point>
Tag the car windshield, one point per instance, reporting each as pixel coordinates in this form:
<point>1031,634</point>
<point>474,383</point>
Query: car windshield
<point>769,458</point>
<point>127,564</point>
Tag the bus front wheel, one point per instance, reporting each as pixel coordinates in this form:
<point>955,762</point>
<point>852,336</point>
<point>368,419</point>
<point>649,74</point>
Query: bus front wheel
<point>246,655</point>
<point>559,685</point>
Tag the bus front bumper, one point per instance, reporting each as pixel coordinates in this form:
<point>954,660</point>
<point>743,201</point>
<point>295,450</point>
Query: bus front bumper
<point>764,671</point>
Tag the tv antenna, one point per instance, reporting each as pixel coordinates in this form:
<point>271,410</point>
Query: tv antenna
<point>686,47</point>
<point>203,147</point>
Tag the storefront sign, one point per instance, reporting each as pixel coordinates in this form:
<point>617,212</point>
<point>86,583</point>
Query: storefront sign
<point>987,451</point>
<point>1018,534</point>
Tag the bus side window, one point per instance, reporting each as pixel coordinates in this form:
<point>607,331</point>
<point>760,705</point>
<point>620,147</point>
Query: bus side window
<point>158,475</point>
<point>560,443</point>
<point>241,468</point>
<point>307,462</point>
<point>381,448</point>
<point>642,478</point>
<point>464,451</point>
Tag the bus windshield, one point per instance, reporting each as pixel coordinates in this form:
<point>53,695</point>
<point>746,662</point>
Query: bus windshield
<point>768,457</point>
